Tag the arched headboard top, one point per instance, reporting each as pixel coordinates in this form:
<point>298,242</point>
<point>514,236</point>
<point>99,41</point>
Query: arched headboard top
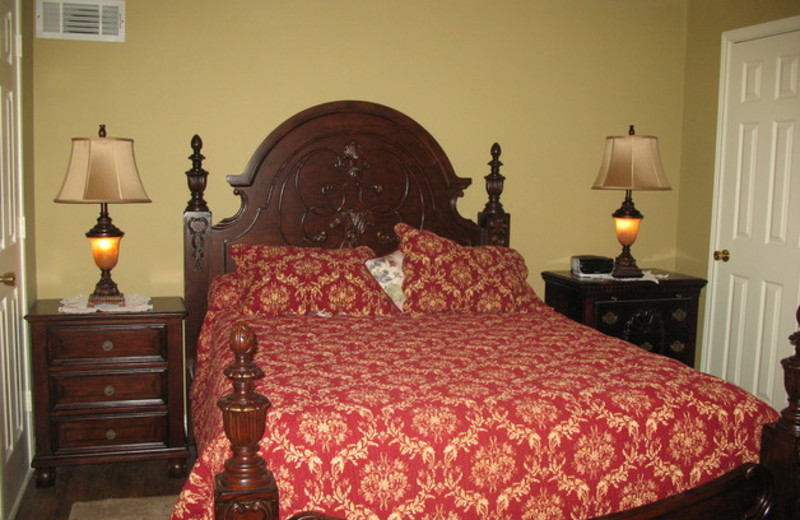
<point>343,174</point>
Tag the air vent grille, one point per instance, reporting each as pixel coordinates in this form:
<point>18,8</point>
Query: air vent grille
<point>102,20</point>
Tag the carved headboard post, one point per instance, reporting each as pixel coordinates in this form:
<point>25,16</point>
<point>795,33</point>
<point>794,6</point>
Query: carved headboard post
<point>780,444</point>
<point>493,220</point>
<point>196,241</point>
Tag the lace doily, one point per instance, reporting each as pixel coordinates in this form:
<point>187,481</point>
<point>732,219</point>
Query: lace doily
<point>647,276</point>
<point>80,305</point>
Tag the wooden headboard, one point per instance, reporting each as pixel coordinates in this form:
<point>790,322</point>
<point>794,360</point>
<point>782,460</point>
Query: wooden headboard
<point>340,174</point>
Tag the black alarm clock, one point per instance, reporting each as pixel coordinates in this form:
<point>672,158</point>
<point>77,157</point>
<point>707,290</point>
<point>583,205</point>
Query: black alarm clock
<point>592,265</point>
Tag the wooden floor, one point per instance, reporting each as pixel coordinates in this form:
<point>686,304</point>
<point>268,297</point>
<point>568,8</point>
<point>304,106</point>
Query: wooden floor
<point>95,482</point>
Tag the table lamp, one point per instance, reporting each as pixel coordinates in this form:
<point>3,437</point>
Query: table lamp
<point>631,162</point>
<point>103,171</point>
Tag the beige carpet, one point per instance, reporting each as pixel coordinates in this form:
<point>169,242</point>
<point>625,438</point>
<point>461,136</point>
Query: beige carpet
<point>146,508</point>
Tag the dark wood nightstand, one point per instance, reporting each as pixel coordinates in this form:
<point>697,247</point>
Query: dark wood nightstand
<point>659,317</point>
<point>108,387</point>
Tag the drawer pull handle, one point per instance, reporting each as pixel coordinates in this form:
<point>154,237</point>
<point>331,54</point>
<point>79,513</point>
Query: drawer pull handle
<point>111,434</point>
<point>109,390</point>
<point>610,318</point>
<point>679,315</point>
<point>677,346</point>
<point>108,345</point>
<point>647,346</point>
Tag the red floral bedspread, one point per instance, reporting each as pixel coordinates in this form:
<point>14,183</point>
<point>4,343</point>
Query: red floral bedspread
<point>456,416</point>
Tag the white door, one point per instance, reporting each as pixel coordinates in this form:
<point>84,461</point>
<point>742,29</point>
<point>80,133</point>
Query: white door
<point>753,295</point>
<point>15,422</point>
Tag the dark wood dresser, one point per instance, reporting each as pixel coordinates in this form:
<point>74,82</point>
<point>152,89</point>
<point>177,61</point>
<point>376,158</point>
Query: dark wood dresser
<point>108,387</point>
<point>659,317</point>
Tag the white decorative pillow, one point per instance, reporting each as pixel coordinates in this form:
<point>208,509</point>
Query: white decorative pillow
<point>388,272</point>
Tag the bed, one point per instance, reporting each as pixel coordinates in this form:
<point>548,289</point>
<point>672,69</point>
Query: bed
<point>474,401</point>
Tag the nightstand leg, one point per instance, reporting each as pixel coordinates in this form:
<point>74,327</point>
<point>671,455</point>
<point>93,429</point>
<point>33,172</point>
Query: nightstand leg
<point>45,476</point>
<point>177,468</point>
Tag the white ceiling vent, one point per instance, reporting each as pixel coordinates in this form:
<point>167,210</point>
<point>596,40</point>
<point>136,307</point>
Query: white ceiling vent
<point>97,20</point>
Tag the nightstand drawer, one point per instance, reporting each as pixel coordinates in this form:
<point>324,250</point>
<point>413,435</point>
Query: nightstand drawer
<point>629,316</point>
<point>89,433</point>
<point>73,390</point>
<point>660,326</point>
<point>106,344</point>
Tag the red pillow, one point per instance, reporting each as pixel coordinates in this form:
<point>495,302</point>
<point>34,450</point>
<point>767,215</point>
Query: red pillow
<point>227,290</point>
<point>305,280</point>
<point>441,275</point>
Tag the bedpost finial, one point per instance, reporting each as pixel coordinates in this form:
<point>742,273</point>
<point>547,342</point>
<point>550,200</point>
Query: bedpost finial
<point>790,416</point>
<point>197,143</point>
<point>797,316</point>
<point>794,339</point>
<point>495,163</point>
<point>493,220</point>
<point>244,371</point>
<point>196,177</point>
<point>494,181</point>
<point>243,341</point>
<point>496,151</point>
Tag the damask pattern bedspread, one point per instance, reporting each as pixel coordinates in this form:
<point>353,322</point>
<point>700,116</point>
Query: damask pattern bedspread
<point>451,416</point>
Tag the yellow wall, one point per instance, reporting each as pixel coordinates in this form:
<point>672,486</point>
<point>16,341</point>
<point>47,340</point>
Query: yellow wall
<point>547,79</point>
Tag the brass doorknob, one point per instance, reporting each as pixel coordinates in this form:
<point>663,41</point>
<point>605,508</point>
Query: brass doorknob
<point>723,255</point>
<point>8,279</point>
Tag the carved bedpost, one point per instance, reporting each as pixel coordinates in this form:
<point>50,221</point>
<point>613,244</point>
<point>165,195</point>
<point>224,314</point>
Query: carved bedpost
<point>246,489</point>
<point>196,229</point>
<point>780,449</point>
<point>493,220</point>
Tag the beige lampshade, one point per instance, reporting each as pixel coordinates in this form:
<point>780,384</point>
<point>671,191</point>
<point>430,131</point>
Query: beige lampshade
<point>631,162</point>
<point>102,170</point>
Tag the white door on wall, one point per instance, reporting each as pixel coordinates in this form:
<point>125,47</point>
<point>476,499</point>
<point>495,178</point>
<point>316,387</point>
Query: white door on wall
<point>15,434</point>
<point>754,284</point>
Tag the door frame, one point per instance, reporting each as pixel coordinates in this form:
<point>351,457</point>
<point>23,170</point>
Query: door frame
<point>729,39</point>
<point>12,503</point>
